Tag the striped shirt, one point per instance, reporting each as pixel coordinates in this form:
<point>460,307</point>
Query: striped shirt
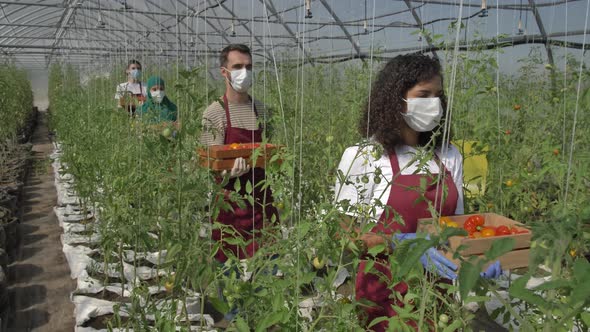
<point>242,116</point>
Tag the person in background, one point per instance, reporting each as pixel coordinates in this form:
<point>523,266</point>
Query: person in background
<point>237,118</point>
<point>157,108</point>
<point>401,170</point>
<point>131,94</point>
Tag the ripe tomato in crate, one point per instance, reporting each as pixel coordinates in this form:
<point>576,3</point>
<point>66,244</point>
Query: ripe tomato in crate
<point>222,157</point>
<point>478,244</point>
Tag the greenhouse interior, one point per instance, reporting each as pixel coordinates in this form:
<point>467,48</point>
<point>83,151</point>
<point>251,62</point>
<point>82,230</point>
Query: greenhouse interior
<point>294,165</point>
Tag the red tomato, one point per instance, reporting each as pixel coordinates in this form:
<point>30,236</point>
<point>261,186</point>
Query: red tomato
<point>488,232</point>
<point>503,230</point>
<point>474,223</point>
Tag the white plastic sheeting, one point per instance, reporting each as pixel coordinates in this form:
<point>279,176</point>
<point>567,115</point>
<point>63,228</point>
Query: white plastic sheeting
<point>80,236</point>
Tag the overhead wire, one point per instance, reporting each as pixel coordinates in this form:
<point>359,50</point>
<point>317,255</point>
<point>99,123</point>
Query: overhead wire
<point>576,110</point>
<point>449,111</point>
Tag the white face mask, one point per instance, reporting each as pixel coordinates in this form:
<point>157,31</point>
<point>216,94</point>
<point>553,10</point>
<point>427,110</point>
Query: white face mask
<point>423,113</point>
<point>241,79</point>
<point>158,95</point>
<point>135,74</point>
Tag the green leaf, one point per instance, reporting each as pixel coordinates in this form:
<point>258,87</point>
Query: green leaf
<point>378,320</point>
<point>518,289</point>
<point>271,320</point>
<point>241,325</point>
<point>190,187</point>
<point>175,249</point>
<point>219,305</point>
<point>585,318</point>
<point>581,293</point>
<point>553,284</point>
<point>581,269</point>
<point>452,231</point>
<point>302,230</point>
<point>468,276</point>
<point>377,249</point>
<point>454,326</point>
<point>499,248</point>
<point>233,240</point>
<point>261,293</point>
<point>248,187</point>
<point>369,266</point>
<point>411,257</point>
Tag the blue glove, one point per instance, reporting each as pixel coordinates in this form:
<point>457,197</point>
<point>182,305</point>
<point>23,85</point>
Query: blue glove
<point>493,271</point>
<point>432,260</point>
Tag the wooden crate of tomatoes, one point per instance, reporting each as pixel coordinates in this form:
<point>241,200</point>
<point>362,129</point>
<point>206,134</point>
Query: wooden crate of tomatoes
<point>483,229</point>
<point>222,157</point>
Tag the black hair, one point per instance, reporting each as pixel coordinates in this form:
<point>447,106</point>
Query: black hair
<point>133,62</point>
<point>232,47</point>
<point>381,117</point>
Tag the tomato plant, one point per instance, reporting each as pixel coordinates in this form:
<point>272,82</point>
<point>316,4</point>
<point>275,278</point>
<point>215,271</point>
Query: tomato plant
<point>153,197</point>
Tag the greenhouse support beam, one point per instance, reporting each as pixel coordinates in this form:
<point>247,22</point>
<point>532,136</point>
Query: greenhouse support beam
<point>504,42</point>
<point>64,21</point>
<point>542,30</point>
<point>270,7</point>
<point>143,31</point>
<point>478,4</point>
<point>105,40</point>
<point>180,16</point>
<point>47,49</point>
<point>419,21</point>
<point>222,5</point>
<point>342,27</point>
<point>102,9</point>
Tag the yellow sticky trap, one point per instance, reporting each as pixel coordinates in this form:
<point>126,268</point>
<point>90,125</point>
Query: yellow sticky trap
<point>475,166</point>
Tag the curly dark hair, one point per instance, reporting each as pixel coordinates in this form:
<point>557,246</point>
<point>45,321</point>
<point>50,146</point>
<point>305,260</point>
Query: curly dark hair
<point>381,117</point>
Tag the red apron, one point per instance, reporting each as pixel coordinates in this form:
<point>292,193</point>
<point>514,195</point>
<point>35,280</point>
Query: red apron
<point>248,221</point>
<point>403,200</point>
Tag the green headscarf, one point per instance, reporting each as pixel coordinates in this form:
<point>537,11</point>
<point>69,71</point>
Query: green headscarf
<point>153,112</point>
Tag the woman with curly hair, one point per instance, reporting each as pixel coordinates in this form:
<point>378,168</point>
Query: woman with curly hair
<point>398,175</point>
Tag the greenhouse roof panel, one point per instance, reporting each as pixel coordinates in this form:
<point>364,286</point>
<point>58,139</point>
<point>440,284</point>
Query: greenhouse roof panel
<point>318,28</point>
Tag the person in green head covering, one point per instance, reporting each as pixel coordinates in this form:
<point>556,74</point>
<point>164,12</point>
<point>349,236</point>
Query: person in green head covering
<point>157,108</point>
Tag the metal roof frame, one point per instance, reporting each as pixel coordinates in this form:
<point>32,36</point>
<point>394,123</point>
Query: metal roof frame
<point>29,25</point>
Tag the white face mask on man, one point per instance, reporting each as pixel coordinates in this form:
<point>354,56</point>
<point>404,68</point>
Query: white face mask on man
<point>423,114</point>
<point>135,74</point>
<point>158,95</point>
<point>241,79</point>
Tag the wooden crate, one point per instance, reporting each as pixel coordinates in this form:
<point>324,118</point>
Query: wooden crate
<point>510,260</point>
<point>518,257</point>
<point>227,164</point>
<point>222,157</point>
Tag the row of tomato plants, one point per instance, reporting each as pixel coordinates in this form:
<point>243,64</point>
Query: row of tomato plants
<point>151,184</point>
<point>17,100</point>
